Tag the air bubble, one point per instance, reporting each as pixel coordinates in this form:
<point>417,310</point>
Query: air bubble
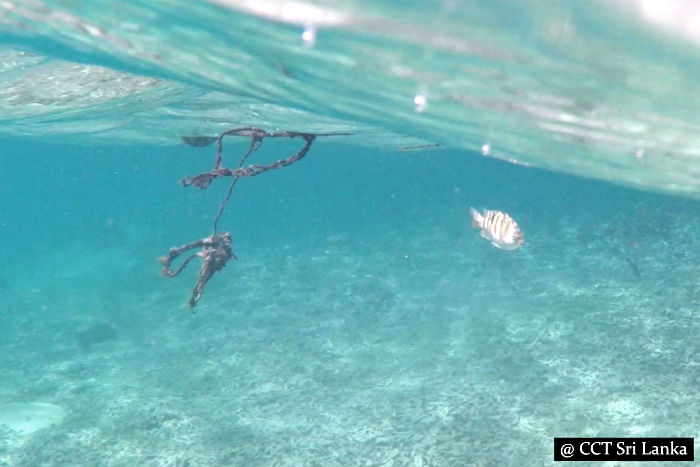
<point>420,101</point>
<point>309,35</point>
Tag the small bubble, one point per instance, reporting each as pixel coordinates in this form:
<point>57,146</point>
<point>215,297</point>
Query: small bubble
<point>420,101</point>
<point>309,35</point>
<point>639,154</point>
<point>485,149</point>
<point>93,30</point>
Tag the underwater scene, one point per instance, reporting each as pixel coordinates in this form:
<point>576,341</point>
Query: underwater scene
<point>347,232</point>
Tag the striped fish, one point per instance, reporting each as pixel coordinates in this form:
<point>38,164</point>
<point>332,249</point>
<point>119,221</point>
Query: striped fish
<point>498,228</point>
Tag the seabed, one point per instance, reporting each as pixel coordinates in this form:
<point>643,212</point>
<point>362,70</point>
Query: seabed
<point>413,347</point>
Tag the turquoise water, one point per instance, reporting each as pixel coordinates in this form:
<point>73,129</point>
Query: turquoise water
<point>364,322</point>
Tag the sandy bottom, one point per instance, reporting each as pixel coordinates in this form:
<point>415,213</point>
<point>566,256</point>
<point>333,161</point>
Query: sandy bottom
<point>413,347</point>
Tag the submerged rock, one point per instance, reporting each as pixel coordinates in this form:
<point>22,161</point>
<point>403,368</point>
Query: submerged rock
<point>95,334</point>
<point>28,417</point>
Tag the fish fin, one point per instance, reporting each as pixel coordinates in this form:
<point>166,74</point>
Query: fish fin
<point>497,246</point>
<point>477,218</point>
<point>483,234</point>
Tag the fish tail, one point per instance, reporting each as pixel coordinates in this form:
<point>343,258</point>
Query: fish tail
<point>477,218</point>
